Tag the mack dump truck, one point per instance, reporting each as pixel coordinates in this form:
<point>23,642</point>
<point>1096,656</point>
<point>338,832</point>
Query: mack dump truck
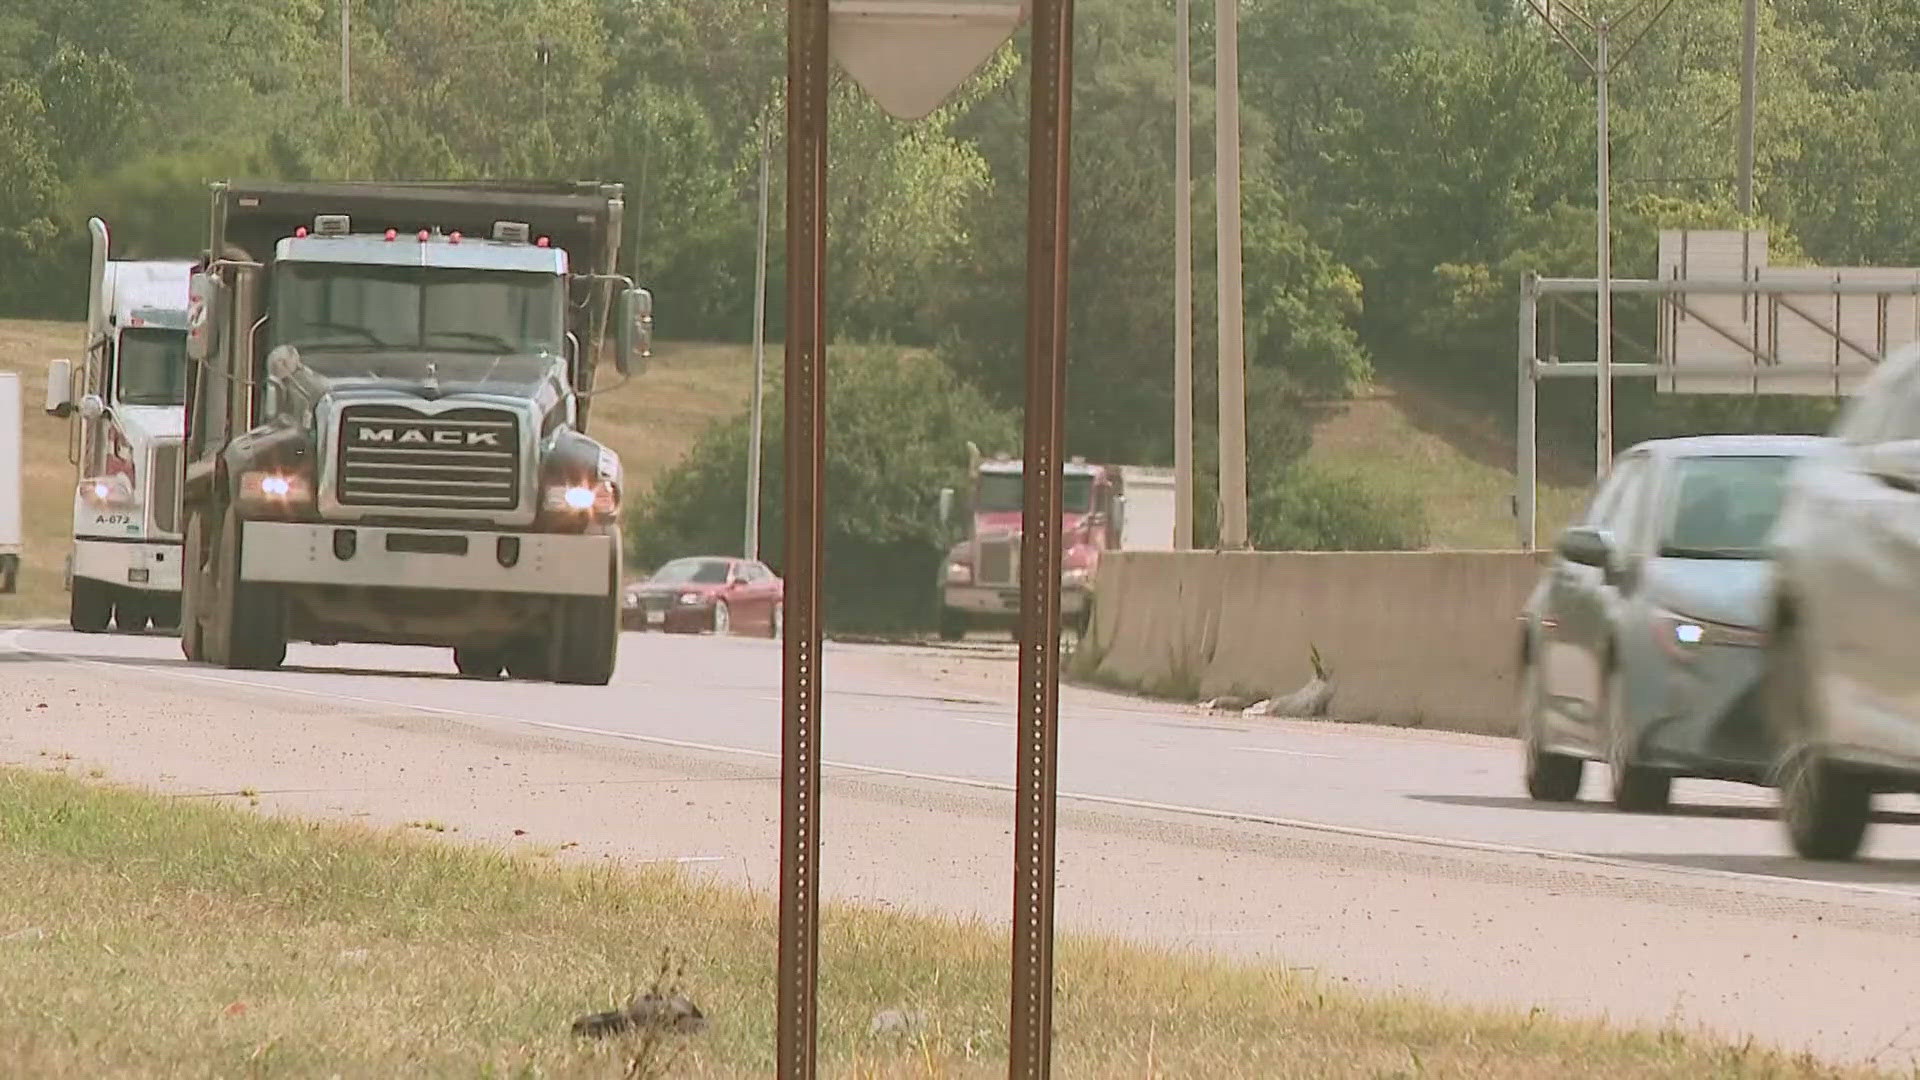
<point>387,415</point>
<point>122,401</point>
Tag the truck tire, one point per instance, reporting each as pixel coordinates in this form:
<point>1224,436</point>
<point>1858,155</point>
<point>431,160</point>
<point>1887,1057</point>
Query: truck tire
<point>131,613</point>
<point>193,563</point>
<point>90,608</point>
<point>9,573</point>
<point>589,632</point>
<point>166,613</point>
<point>953,624</point>
<point>477,662</point>
<point>254,616</point>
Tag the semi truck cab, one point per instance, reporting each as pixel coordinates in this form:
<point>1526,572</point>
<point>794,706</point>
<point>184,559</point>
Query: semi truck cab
<point>124,401</point>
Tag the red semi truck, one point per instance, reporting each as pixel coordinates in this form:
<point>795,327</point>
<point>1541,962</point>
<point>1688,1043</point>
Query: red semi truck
<point>980,578</point>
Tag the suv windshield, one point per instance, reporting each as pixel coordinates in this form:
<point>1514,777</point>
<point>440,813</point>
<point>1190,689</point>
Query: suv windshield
<point>693,572</point>
<point>491,313</point>
<point>1724,507</point>
<point>1001,493</point>
<point>152,366</point>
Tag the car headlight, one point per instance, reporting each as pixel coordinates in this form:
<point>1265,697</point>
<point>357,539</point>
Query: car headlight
<point>602,499</point>
<point>959,573</point>
<point>275,489</point>
<point>692,599</point>
<point>632,599</point>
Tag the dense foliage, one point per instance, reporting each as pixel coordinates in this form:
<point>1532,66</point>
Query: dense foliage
<point>1404,161</point>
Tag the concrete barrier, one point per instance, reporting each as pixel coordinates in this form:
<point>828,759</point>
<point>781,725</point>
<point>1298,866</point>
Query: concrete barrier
<point>1417,638</point>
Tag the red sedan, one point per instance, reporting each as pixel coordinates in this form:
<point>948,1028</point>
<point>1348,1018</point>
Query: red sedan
<point>708,594</point>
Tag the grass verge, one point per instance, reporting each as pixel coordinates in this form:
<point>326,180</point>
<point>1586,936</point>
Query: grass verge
<point>141,935</point>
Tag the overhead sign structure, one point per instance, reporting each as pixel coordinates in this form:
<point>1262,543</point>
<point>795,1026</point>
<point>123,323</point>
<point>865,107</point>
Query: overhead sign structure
<point>1793,320</point>
<point>911,55</point>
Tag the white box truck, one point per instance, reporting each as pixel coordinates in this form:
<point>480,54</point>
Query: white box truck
<point>12,476</point>
<point>124,399</point>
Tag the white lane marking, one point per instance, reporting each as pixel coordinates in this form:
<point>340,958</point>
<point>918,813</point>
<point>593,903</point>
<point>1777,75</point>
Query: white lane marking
<point>983,723</point>
<point>1277,750</point>
<point>11,639</point>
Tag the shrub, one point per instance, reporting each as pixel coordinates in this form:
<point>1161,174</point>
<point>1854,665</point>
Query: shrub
<point>898,423</point>
<point>1313,508</point>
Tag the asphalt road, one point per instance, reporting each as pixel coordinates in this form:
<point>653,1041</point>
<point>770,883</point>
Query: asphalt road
<point>1259,837</point>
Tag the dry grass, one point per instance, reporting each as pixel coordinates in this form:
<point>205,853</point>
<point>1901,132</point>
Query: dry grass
<point>148,936</point>
<point>650,421</point>
<point>1407,440</point>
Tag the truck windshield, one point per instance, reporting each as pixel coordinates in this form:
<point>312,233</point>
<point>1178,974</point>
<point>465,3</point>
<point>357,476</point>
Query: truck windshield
<point>152,366</point>
<point>1000,493</point>
<point>326,306</point>
<point>1724,507</point>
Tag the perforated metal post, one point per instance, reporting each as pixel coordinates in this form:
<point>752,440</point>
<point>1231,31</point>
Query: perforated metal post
<point>807,80</point>
<point>1031,1035</point>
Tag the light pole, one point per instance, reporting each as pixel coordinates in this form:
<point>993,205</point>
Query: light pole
<point>1233,357</point>
<point>346,51</point>
<point>759,353</point>
<point>1183,284</point>
<point>1603,64</point>
<point>1749,98</point>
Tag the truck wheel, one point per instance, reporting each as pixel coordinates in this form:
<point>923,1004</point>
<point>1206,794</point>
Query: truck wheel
<point>193,563</point>
<point>589,629</point>
<point>479,663</point>
<point>953,624</point>
<point>90,608</point>
<point>166,614</point>
<point>254,615</point>
<point>529,659</point>
<point>131,615</point>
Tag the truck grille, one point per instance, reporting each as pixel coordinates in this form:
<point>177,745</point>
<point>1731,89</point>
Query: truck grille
<point>164,500</point>
<point>464,459</point>
<point>998,562</point>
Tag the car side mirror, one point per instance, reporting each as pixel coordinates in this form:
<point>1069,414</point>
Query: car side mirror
<point>60,388</point>
<point>1895,464</point>
<point>92,407</point>
<point>1586,546</point>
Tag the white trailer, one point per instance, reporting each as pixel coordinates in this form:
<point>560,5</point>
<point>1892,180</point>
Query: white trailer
<point>12,477</point>
<point>1148,524</point>
<point>125,401</point>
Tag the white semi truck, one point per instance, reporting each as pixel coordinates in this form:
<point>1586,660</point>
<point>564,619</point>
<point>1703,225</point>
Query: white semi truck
<point>124,400</point>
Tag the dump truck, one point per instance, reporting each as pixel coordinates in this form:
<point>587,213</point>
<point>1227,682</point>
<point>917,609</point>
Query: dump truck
<point>123,402</point>
<point>12,478</point>
<point>387,424</point>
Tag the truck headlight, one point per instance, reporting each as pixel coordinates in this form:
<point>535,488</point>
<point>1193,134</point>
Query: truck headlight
<point>601,498</point>
<point>275,489</point>
<point>108,492</point>
<point>959,573</point>
<point>1075,577</point>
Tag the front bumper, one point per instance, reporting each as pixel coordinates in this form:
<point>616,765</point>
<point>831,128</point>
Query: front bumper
<point>667,613</point>
<point>1707,716</point>
<point>547,564</point>
<point>144,567</point>
<point>992,600</point>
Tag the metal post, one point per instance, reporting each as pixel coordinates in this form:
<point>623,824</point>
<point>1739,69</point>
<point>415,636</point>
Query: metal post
<point>1183,283</point>
<point>752,547</point>
<point>1749,99</point>
<point>807,83</point>
<point>1526,476</point>
<point>1233,359</point>
<point>1603,450</point>
<point>346,48</point>
<point>1030,1036</point>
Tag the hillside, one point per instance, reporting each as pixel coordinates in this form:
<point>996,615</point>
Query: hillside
<point>650,421</point>
<point>1407,439</point>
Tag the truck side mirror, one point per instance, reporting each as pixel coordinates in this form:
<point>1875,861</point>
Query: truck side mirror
<point>204,303</point>
<point>60,388</point>
<point>946,508</point>
<point>1119,515</point>
<point>633,330</point>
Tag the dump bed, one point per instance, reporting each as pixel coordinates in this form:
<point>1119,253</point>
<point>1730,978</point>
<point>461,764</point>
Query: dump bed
<point>583,217</point>
<point>12,475</point>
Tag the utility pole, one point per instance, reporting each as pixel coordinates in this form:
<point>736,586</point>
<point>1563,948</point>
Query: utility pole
<point>1603,64</point>
<point>1233,357</point>
<point>1749,99</point>
<point>759,352</point>
<point>346,53</point>
<point>1183,284</point>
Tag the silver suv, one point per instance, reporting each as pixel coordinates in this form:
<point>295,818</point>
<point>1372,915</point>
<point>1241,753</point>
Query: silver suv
<point>1844,649</point>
